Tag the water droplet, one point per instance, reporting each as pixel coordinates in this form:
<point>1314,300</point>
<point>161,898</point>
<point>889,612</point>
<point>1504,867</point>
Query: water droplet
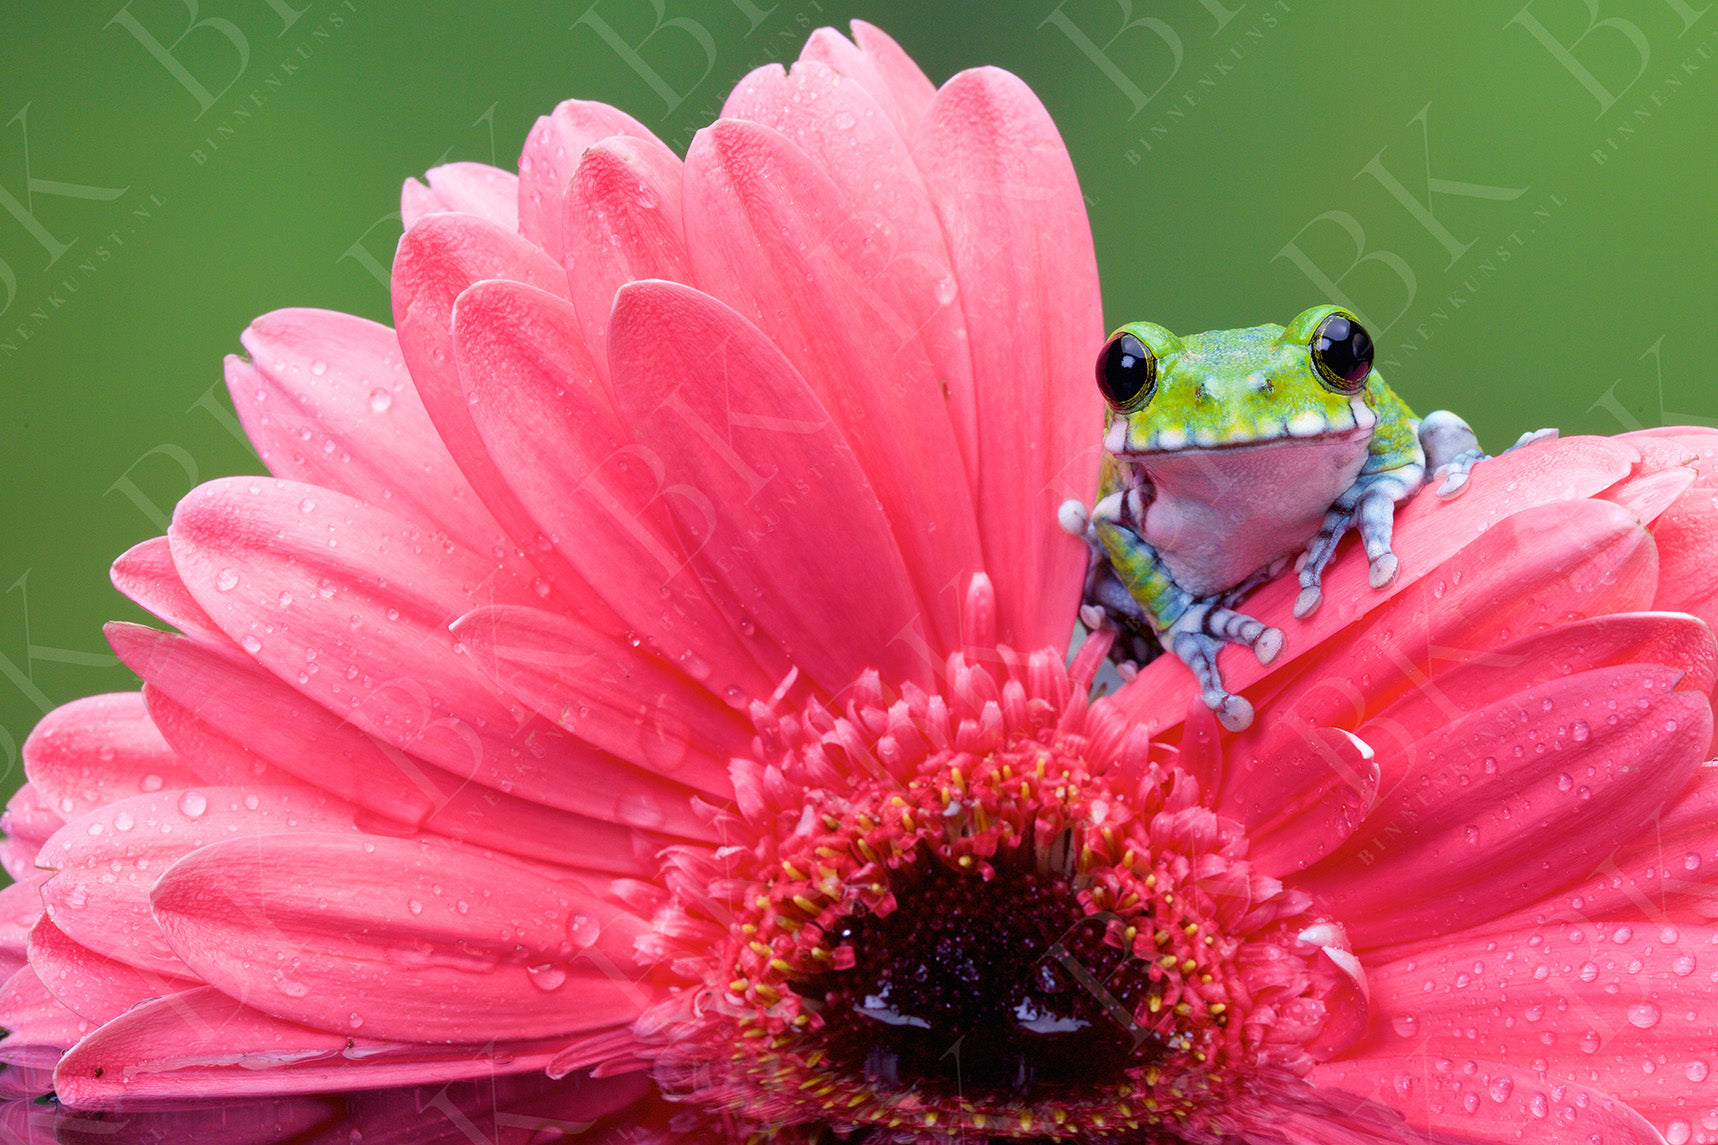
<point>1471,833</point>
<point>547,975</point>
<point>354,1019</point>
<point>151,783</point>
<point>541,587</point>
<point>1621,935</point>
<point>414,906</point>
<point>1644,1015</point>
<point>380,400</point>
<point>1500,1089</point>
<point>227,579</point>
<point>251,644</point>
<point>583,930</point>
<point>1580,731</point>
<point>123,821</point>
<point>1678,1132</point>
<point>192,804</point>
<point>695,666</point>
<point>1683,966</point>
<point>1590,1042</point>
<point>1695,1071</point>
<point>292,988</point>
<point>319,367</point>
<point>1565,782</point>
<point>1405,1025</point>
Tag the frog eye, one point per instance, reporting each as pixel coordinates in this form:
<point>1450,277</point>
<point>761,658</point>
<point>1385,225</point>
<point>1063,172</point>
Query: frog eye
<point>1127,373</point>
<point>1342,352</point>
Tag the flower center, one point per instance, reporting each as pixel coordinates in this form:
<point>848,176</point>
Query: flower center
<point>978,984</point>
<point>1001,912</point>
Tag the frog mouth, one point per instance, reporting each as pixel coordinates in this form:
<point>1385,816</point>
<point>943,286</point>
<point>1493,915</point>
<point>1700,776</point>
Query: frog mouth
<point>1175,443</point>
<point>1172,440</point>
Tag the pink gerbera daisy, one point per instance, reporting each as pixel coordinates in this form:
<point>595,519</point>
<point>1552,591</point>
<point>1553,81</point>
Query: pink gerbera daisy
<point>645,668</point>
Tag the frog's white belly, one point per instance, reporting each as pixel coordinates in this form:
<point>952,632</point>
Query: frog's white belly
<point>1219,515</point>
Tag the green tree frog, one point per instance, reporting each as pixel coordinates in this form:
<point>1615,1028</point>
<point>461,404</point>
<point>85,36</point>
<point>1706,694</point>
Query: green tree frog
<point>1225,454</point>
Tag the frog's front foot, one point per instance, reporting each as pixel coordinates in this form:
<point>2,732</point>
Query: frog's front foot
<point>1370,505</point>
<point>1452,450</point>
<point>1200,633</point>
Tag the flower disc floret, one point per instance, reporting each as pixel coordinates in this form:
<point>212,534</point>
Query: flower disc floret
<point>990,910</point>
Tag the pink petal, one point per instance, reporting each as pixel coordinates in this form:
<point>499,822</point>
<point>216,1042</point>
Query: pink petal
<point>371,642</point>
<point>91,985</point>
<point>842,129</point>
<point>880,67</point>
<point>1672,867</point>
<point>996,166</point>
<point>240,709</point>
<point>436,261</point>
<point>416,201</point>
<point>477,189</point>
<point>1489,815</point>
<point>606,692</point>
<point>106,861</point>
<point>743,451</point>
<point>773,236</point>
<point>1505,549</point>
<point>38,1028</point>
<point>1687,535</point>
<point>1649,496</point>
<point>622,223</point>
<point>1444,694</point>
<point>414,939</point>
<point>233,700</point>
<point>536,402</point>
<point>1587,999</point>
<point>217,758</point>
<point>1457,1100</point>
<point>20,907</point>
<point>28,823</point>
<point>92,751</point>
<point>145,574</point>
<point>1581,558</point>
<point>1302,801</point>
<point>202,1043</point>
<point>551,154</point>
<point>327,401</point>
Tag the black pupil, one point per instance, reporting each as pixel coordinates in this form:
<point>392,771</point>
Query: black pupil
<point>1345,348</point>
<point>1125,368</point>
<point>965,988</point>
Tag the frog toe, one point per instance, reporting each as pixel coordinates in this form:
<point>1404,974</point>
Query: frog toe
<point>1534,435</point>
<point>1308,601</point>
<point>1074,517</point>
<point>1234,713</point>
<point>1454,485</point>
<point>1268,645</point>
<point>1382,570</point>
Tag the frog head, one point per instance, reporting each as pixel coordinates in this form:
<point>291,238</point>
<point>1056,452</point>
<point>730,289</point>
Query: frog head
<point>1228,388</point>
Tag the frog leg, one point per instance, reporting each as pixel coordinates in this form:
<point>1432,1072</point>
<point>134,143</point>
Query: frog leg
<point>1394,471</point>
<point>1194,628</point>
<point>1452,449</point>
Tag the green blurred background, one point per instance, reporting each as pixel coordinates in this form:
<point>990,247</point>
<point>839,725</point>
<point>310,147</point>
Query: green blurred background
<point>1529,198</point>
